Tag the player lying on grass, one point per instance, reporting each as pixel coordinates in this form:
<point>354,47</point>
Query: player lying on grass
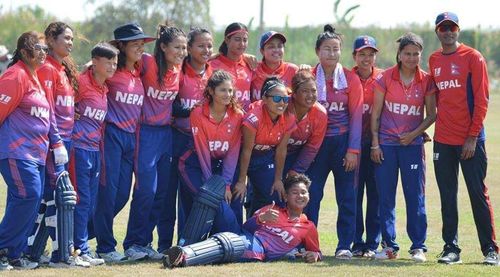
<point>272,233</point>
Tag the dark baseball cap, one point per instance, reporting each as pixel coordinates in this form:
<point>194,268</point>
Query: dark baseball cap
<point>363,42</point>
<point>446,16</point>
<point>267,36</point>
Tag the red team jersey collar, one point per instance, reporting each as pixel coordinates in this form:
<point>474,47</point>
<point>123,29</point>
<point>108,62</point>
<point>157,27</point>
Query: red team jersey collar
<point>51,60</point>
<point>279,71</point>
<point>227,61</point>
<point>267,118</point>
<point>190,72</point>
<point>418,74</point>
<point>102,89</point>
<point>206,112</point>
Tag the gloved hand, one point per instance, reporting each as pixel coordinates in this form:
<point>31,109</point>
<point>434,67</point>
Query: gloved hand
<point>60,155</point>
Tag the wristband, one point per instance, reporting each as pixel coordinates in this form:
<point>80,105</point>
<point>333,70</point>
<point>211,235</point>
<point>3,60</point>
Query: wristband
<point>375,147</point>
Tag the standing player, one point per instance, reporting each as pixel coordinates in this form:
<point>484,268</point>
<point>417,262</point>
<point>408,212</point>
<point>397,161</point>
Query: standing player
<point>216,136</point>
<point>59,78</point>
<point>266,130</point>
<point>91,106</point>
<point>340,92</point>
<point>271,234</point>
<point>193,79</point>
<point>461,77</point>
<point>125,99</point>
<point>365,54</point>
<point>152,190</point>
<point>305,141</point>
<point>272,48</point>
<point>397,123</point>
<point>232,60</point>
<point>24,140</point>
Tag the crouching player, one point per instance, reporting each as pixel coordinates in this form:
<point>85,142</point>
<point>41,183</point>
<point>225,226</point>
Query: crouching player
<point>272,233</point>
<point>85,157</point>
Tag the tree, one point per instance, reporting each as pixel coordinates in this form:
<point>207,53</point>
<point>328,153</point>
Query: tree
<point>345,19</point>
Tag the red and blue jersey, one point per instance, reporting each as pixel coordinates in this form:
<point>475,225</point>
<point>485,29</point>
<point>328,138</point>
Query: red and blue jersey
<point>368,85</point>
<point>157,106</point>
<point>242,77</point>
<point>308,136</point>
<point>191,87</point>
<point>57,86</point>
<point>280,237</point>
<point>267,133</point>
<point>404,106</point>
<point>125,99</point>
<point>462,99</point>
<point>344,108</point>
<point>217,140</point>
<point>285,72</point>
<point>24,116</point>
<point>91,104</point>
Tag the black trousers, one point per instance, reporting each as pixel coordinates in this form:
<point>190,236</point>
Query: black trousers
<point>446,161</point>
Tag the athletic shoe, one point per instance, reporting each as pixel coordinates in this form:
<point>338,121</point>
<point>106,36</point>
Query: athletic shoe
<point>112,257</point>
<point>387,253</point>
<point>71,263</point>
<point>358,253</point>
<point>449,256</point>
<point>173,257</point>
<point>491,258</point>
<point>152,254</point>
<point>23,264</point>
<point>343,254</point>
<point>91,260</point>
<point>44,258</point>
<point>136,253</point>
<point>4,261</point>
<point>370,254</point>
<point>418,255</point>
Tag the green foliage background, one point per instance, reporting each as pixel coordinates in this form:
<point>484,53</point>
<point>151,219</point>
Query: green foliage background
<point>299,48</point>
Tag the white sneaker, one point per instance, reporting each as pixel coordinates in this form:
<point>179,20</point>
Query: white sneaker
<point>23,264</point>
<point>388,253</point>
<point>44,258</point>
<point>491,258</point>
<point>112,257</point>
<point>72,262</point>
<point>91,260</point>
<point>370,254</point>
<point>343,254</point>
<point>418,255</point>
<point>136,253</point>
<point>152,253</point>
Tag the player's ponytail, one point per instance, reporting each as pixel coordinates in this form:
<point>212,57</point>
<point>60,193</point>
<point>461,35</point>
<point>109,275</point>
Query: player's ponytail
<point>328,33</point>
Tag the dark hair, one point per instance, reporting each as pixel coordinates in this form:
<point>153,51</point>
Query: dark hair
<point>328,33</point>
<point>165,34</point>
<point>26,41</point>
<point>53,30</point>
<point>218,77</point>
<point>408,39</point>
<point>270,83</point>
<point>229,32</point>
<point>300,78</point>
<point>191,37</point>
<point>104,49</point>
<point>292,180</point>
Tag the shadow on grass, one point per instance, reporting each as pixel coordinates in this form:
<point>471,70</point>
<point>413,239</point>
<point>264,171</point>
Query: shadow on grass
<point>363,262</point>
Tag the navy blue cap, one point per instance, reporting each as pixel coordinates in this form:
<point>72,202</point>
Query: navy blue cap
<point>267,36</point>
<point>131,31</point>
<point>362,42</point>
<point>446,16</point>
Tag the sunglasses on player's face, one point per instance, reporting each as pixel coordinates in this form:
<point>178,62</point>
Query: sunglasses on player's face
<point>278,98</point>
<point>445,28</point>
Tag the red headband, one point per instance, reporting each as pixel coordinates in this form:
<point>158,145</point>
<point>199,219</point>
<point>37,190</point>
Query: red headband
<point>237,31</point>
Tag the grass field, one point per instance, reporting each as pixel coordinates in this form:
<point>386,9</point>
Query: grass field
<point>471,254</point>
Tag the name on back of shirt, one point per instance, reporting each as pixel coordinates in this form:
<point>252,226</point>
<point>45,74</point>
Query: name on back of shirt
<point>129,98</point>
<point>403,109</point>
<point>448,84</point>
<point>161,94</point>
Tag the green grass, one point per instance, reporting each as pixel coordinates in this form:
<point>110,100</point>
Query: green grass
<point>471,254</point>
